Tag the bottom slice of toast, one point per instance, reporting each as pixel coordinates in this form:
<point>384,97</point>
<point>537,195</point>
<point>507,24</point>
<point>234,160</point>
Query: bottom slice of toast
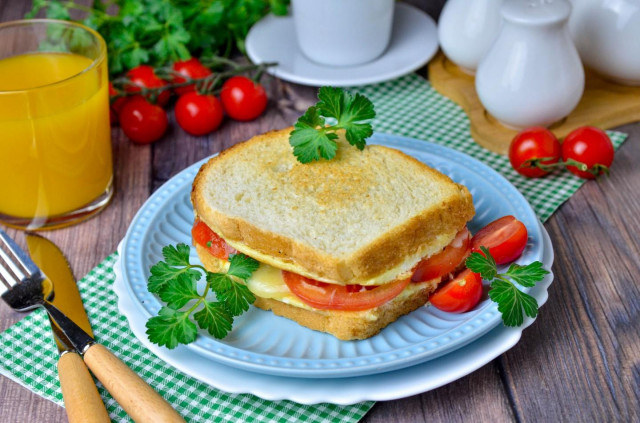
<point>350,325</point>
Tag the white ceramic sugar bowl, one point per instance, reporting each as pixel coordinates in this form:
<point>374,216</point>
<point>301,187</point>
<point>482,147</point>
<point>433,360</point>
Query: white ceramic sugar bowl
<point>532,75</point>
<point>607,35</point>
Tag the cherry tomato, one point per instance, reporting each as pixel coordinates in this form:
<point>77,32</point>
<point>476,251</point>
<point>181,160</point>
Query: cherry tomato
<point>242,98</point>
<point>505,238</point>
<point>145,76</point>
<point>198,114</point>
<point>591,146</point>
<point>115,105</point>
<point>444,262</point>
<point>142,121</point>
<point>326,296</point>
<point>537,144</point>
<point>192,69</point>
<point>218,247</point>
<point>459,294</point>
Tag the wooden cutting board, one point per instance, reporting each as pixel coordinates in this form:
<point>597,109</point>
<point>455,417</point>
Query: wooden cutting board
<point>604,104</point>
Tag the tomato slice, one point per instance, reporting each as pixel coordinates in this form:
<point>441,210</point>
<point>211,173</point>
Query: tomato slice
<point>444,262</point>
<point>505,238</point>
<point>218,247</point>
<point>459,294</point>
<point>327,296</point>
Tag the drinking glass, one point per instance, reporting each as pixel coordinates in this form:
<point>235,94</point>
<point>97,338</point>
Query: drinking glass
<point>56,164</point>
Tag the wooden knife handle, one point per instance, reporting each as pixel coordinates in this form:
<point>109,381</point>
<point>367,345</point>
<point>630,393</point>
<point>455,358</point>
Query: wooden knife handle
<point>81,397</point>
<point>138,399</point>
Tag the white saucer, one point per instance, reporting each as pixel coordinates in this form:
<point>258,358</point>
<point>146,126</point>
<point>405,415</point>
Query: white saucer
<point>413,43</point>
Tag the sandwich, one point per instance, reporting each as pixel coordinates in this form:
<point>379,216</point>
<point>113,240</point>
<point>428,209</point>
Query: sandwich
<point>338,241</point>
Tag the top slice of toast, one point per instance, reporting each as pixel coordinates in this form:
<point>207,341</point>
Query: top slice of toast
<point>364,217</point>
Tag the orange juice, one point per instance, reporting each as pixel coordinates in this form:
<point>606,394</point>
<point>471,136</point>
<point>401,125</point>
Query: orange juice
<point>55,138</point>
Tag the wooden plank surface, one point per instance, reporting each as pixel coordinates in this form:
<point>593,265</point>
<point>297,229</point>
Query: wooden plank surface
<point>580,361</point>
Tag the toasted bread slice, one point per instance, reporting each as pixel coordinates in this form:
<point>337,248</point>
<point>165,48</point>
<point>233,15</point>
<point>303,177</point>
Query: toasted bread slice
<point>364,217</point>
<point>345,325</point>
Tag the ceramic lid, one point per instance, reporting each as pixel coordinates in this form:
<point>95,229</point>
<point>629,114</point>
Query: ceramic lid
<point>536,12</point>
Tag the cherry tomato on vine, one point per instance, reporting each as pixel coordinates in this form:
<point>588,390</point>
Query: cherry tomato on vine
<point>242,98</point>
<point>114,105</point>
<point>460,294</point>
<point>505,238</point>
<point>142,121</point>
<point>532,147</point>
<point>145,76</point>
<point>198,114</point>
<point>191,68</point>
<point>591,146</point>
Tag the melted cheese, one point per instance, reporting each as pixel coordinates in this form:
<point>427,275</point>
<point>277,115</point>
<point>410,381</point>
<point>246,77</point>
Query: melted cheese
<point>401,271</point>
<point>267,282</point>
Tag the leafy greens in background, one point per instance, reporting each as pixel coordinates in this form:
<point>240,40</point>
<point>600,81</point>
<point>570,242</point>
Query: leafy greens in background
<point>158,32</point>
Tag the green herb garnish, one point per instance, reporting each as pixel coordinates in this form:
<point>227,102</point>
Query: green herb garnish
<point>312,139</point>
<point>175,281</point>
<point>511,301</point>
<point>158,32</point>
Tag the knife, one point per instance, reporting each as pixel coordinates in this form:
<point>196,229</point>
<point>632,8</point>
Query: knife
<point>135,396</point>
<point>81,398</point>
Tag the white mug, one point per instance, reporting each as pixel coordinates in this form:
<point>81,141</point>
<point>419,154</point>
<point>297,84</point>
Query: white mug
<point>342,32</point>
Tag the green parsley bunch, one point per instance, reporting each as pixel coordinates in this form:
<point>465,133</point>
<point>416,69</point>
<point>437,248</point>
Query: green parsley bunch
<point>175,279</point>
<point>158,32</point>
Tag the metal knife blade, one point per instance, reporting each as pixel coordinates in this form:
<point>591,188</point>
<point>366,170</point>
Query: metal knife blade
<point>81,398</point>
<point>48,257</point>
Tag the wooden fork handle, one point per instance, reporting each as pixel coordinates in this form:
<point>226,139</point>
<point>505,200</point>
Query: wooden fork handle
<point>81,397</point>
<point>138,399</point>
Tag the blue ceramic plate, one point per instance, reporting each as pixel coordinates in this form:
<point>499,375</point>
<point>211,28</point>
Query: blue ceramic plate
<point>265,343</point>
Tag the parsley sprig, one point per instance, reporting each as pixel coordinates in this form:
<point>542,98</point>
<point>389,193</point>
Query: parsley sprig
<point>511,301</point>
<point>312,139</point>
<point>175,281</point>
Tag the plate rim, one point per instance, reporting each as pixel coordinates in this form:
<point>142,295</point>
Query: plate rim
<point>430,27</point>
<point>409,143</point>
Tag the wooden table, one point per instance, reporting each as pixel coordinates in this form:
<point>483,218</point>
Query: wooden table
<point>580,361</point>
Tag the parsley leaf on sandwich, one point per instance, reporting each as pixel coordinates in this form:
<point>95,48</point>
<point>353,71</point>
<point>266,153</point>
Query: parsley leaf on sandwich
<point>175,280</point>
<point>511,301</point>
<point>312,139</point>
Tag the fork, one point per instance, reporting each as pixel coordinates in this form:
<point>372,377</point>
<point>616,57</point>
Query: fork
<point>24,289</point>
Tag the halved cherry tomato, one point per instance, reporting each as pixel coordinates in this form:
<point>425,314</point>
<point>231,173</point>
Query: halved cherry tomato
<point>444,262</point>
<point>505,238</point>
<point>459,294</point>
<point>218,247</point>
<point>327,296</point>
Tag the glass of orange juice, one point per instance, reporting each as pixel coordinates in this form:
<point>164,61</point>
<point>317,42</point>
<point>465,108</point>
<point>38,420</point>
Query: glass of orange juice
<point>56,165</point>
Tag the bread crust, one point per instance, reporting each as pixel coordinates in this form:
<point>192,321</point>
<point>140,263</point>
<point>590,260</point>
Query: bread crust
<point>422,235</point>
<point>351,325</point>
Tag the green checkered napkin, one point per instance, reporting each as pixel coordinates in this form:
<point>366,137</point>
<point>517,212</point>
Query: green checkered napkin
<point>194,400</point>
<point>407,106</point>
